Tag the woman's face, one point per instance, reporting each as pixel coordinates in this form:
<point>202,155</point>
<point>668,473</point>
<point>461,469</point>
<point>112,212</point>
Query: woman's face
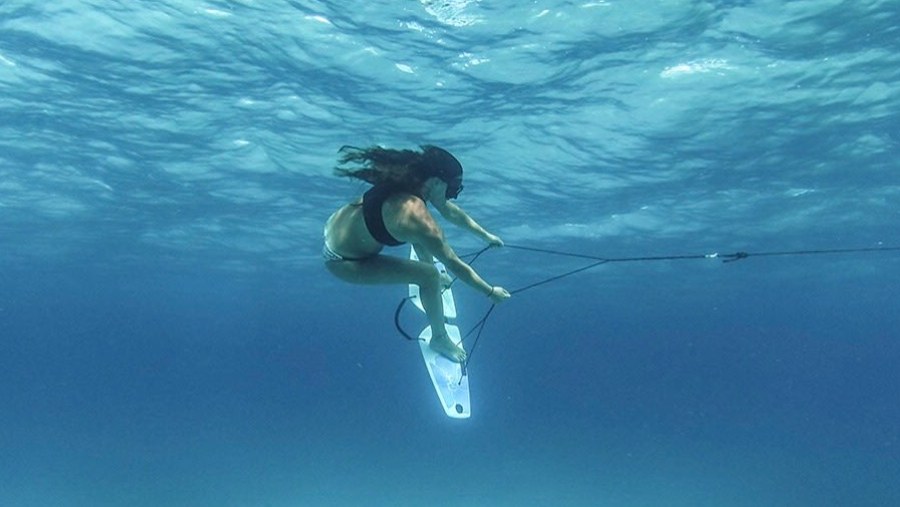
<point>454,187</point>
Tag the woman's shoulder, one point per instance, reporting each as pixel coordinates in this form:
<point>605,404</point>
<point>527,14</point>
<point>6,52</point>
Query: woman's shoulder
<point>404,199</point>
<point>402,202</point>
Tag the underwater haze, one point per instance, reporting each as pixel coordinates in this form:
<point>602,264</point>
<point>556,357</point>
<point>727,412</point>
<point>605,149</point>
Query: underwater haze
<point>169,336</point>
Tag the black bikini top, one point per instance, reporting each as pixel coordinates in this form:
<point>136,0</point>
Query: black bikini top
<point>373,201</point>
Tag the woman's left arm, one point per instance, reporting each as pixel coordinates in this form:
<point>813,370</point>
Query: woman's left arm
<point>455,215</point>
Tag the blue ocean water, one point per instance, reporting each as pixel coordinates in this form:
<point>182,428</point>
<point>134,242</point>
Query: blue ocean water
<point>169,337</point>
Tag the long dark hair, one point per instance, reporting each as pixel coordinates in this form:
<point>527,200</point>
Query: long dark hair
<point>403,169</point>
<point>376,165</point>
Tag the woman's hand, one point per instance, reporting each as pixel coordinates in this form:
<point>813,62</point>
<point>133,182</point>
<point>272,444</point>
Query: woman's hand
<point>493,239</point>
<point>499,294</point>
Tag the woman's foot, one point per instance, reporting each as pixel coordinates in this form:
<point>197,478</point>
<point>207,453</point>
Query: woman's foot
<point>443,345</point>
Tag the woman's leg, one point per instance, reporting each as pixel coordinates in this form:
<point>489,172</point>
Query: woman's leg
<point>385,269</point>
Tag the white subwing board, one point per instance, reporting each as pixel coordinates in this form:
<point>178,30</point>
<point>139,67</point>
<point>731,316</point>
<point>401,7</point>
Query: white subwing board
<point>450,381</point>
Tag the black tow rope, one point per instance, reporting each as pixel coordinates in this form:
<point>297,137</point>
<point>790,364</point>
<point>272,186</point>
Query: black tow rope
<point>479,326</point>
<point>726,258</point>
<point>397,320</point>
<point>406,335</point>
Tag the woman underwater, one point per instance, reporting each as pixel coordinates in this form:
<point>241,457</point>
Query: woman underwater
<point>395,211</point>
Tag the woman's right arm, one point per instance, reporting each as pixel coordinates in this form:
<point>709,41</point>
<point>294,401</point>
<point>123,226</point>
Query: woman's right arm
<point>423,230</point>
